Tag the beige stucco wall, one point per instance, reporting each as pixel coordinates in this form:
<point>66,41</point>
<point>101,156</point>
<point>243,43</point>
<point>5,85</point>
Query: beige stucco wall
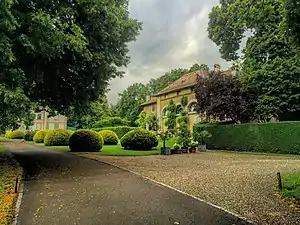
<point>58,122</point>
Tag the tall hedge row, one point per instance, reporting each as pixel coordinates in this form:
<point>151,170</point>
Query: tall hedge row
<point>281,137</point>
<point>120,131</point>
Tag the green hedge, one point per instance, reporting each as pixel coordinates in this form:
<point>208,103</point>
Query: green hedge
<point>140,139</point>
<point>120,131</point>
<point>281,137</point>
<point>16,134</point>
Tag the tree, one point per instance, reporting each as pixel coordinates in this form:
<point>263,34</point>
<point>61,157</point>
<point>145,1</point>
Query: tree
<point>129,104</point>
<point>202,67</point>
<point>87,117</point>
<point>15,109</point>
<point>222,96</point>
<point>111,122</point>
<point>152,122</point>
<point>184,133</point>
<point>63,53</point>
<point>170,122</point>
<point>293,14</point>
<point>270,57</point>
<point>141,121</point>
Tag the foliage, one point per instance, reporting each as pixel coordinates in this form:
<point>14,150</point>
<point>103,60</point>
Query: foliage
<point>120,131</point>
<point>58,137</point>
<point>40,136</point>
<point>152,122</point>
<point>54,48</point>
<point>176,146</point>
<point>15,107</point>
<point>141,121</point>
<point>16,134</point>
<point>87,117</point>
<point>85,141</point>
<point>109,137</point>
<point>291,186</point>
<point>271,56</point>
<point>224,97</point>
<point>183,131</point>
<point>29,134</point>
<point>194,144</point>
<point>129,105</point>
<point>7,133</point>
<point>111,122</point>
<point>196,67</point>
<point>170,122</point>
<point>202,136</point>
<point>139,139</point>
<point>164,136</point>
<point>268,137</point>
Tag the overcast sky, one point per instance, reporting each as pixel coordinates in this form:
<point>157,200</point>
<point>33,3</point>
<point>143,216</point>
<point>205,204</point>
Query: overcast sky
<point>174,35</point>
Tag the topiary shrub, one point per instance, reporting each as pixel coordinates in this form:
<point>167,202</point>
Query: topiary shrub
<point>58,137</point>
<point>29,134</point>
<point>85,141</point>
<point>7,133</point>
<point>109,137</point>
<point>40,136</point>
<point>70,132</point>
<point>16,134</point>
<point>139,139</point>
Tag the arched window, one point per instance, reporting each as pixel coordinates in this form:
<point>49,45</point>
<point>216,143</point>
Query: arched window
<point>165,112</point>
<point>179,109</point>
<point>192,107</point>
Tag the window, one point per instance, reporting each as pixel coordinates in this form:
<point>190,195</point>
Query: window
<point>165,112</point>
<point>192,107</point>
<point>179,109</point>
<point>39,116</point>
<point>56,125</point>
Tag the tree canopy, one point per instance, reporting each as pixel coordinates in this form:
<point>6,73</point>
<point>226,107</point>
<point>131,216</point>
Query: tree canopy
<point>271,65</point>
<point>63,53</point>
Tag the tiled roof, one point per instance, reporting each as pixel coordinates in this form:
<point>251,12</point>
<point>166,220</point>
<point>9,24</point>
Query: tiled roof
<point>187,80</point>
<point>150,101</point>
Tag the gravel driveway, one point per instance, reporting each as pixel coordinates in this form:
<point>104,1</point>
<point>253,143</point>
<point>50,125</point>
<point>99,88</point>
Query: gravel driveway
<point>241,183</point>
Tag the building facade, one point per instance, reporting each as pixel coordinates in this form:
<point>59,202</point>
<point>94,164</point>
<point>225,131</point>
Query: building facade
<point>184,86</point>
<point>42,122</point>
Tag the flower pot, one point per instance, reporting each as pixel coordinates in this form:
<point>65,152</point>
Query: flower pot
<point>165,151</point>
<point>184,150</point>
<point>192,150</point>
<point>176,151</point>
<point>202,147</point>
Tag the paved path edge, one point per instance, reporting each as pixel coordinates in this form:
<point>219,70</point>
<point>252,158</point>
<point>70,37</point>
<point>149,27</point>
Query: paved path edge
<point>18,202</point>
<point>172,188</point>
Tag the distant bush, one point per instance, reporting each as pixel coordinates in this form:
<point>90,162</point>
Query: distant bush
<point>111,122</point>
<point>29,134</point>
<point>16,134</point>
<point>280,137</point>
<point>40,136</point>
<point>85,141</point>
<point>58,137</point>
<point>109,137</point>
<point>120,131</point>
<point>139,139</point>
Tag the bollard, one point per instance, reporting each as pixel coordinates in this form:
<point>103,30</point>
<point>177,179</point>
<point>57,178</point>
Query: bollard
<point>16,185</point>
<point>279,181</point>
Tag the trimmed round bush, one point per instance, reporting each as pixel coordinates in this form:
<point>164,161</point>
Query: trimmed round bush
<point>16,134</point>
<point>7,133</point>
<point>40,136</point>
<point>139,139</point>
<point>85,141</point>
<point>58,137</point>
<point>29,134</point>
<point>70,132</point>
<point>109,137</point>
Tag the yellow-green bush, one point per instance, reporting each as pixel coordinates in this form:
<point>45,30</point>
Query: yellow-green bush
<point>58,137</point>
<point>85,141</point>
<point>16,134</point>
<point>109,137</point>
<point>139,139</point>
<point>7,133</point>
<point>40,136</point>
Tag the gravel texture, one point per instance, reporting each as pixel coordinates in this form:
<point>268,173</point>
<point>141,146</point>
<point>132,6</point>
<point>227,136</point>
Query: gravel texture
<point>241,183</point>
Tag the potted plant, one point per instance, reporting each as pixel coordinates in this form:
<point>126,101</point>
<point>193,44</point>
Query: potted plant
<point>164,136</point>
<point>201,137</point>
<point>176,149</point>
<point>194,145</point>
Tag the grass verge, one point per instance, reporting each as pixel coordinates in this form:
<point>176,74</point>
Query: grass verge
<point>114,150</point>
<point>9,171</point>
<point>291,189</point>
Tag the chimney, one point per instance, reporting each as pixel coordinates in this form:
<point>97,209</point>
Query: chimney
<point>217,68</point>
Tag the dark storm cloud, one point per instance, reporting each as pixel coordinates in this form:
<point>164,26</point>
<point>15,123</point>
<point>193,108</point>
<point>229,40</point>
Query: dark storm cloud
<point>174,35</point>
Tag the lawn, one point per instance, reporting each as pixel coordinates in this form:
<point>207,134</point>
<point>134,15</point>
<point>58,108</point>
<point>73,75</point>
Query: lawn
<point>9,171</point>
<point>291,187</point>
<point>116,150</point>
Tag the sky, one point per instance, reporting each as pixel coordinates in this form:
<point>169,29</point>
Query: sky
<point>174,35</point>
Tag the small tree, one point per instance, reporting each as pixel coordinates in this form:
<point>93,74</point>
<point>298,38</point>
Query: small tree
<point>142,120</point>
<point>152,122</point>
<point>183,128</point>
<point>170,122</point>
